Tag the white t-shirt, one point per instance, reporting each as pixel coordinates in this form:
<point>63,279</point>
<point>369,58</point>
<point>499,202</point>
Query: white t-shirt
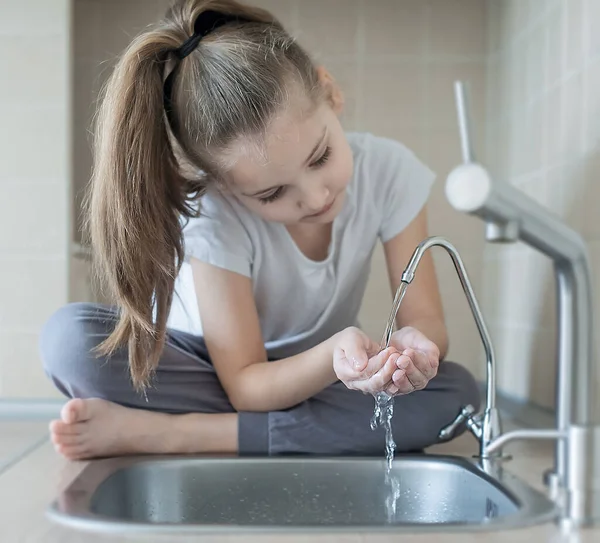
<point>302,302</point>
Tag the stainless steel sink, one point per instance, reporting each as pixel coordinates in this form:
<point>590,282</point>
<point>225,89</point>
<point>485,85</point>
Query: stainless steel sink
<point>198,494</point>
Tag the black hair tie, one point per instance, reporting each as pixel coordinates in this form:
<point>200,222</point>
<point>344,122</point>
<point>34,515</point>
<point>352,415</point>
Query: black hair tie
<point>205,23</point>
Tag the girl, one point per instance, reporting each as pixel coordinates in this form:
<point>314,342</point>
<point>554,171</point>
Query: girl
<point>234,221</point>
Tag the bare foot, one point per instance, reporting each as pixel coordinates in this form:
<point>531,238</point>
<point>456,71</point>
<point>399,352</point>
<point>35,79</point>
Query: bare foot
<point>96,428</point>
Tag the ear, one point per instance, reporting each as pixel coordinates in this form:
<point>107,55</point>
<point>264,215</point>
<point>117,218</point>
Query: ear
<point>333,92</point>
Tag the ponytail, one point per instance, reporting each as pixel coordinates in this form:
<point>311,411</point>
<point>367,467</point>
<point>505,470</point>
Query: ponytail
<point>136,196</point>
<point>228,86</point>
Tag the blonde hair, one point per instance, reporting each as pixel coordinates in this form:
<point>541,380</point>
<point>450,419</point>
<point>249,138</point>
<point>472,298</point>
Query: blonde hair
<point>229,87</point>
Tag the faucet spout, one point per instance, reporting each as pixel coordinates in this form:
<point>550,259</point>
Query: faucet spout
<point>485,426</point>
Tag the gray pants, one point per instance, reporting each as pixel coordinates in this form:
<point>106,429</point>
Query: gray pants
<point>335,421</point>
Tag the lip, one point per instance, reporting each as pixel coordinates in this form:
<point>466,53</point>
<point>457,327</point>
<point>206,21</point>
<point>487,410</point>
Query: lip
<point>323,210</point>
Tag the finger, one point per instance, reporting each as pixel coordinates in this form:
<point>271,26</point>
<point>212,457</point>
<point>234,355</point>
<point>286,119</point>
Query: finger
<point>383,377</point>
<point>422,363</point>
<point>356,353</point>
<point>377,362</point>
<point>408,378</point>
<point>414,374</point>
<point>391,389</point>
<point>344,369</point>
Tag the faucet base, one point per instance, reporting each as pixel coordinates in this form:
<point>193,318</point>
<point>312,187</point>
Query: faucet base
<point>583,475</point>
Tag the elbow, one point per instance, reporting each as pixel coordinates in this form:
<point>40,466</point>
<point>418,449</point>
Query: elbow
<point>238,399</point>
<point>240,403</point>
<point>243,399</point>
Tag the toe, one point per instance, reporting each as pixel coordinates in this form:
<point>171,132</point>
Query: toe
<point>72,452</point>
<point>61,428</point>
<point>75,411</point>
<point>66,439</point>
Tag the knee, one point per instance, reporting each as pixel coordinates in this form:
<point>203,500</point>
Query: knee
<point>438,404</point>
<point>67,339</point>
<point>459,389</point>
<point>461,385</point>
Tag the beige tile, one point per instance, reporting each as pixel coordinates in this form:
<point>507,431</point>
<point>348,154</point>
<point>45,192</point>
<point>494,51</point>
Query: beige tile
<point>395,105</point>
<point>86,29</point>
<point>37,74</point>
<point>440,88</point>
<point>492,90</point>
<point>524,283</point>
<point>80,288</point>
<point>591,113</point>
<point>513,352</point>
<point>555,49</point>
<point>456,27</point>
<point>493,24</point>
<point>573,193</point>
<point>507,22</point>
<point>518,156</point>
<point>543,364</point>
<point>533,141</point>
<point>17,438</point>
<point>318,18</point>
<point>553,127</point>
<point>35,18</point>
<point>574,35</point>
<point>444,152</point>
<point>535,63</point>
<point>490,283</point>
<point>573,117</point>
<point>565,193</point>
<point>516,18</point>
<point>503,149</point>
<point>395,28</point>
<point>45,231</point>
<point>591,196</point>
<point>518,79</point>
<point>283,10</point>
<point>21,372</point>
<point>30,148</point>
<point>83,110</point>
<point>505,76</point>
<point>120,22</point>
<point>592,28</point>
<point>84,94</point>
<point>31,290</point>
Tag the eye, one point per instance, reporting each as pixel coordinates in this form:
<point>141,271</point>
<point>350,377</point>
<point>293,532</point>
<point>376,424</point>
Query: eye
<point>322,159</point>
<point>273,196</point>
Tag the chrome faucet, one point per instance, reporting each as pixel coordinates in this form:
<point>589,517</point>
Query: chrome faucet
<point>485,426</point>
<point>509,216</point>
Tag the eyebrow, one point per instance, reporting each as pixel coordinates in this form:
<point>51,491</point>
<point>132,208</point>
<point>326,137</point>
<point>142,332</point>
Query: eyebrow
<point>309,158</point>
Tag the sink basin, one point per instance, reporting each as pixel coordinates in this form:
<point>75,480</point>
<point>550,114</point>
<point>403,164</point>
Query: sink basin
<point>199,494</point>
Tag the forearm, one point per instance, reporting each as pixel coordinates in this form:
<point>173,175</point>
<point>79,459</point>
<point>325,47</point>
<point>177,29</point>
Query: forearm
<point>277,385</point>
<point>435,330</point>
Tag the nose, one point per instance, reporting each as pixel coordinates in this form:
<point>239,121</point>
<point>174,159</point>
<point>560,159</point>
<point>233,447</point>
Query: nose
<point>316,198</point>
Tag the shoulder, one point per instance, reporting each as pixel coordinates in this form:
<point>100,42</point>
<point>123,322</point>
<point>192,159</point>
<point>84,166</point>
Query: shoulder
<point>377,151</point>
<point>382,164</point>
<point>221,234</point>
<point>215,209</point>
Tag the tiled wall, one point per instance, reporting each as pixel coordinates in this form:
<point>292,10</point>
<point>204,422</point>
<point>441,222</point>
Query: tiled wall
<point>543,135</point>
<point>35,190</point>
<point>396,61</point>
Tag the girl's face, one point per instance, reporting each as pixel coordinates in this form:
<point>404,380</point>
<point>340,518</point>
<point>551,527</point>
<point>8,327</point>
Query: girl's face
<point>301,173</point>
